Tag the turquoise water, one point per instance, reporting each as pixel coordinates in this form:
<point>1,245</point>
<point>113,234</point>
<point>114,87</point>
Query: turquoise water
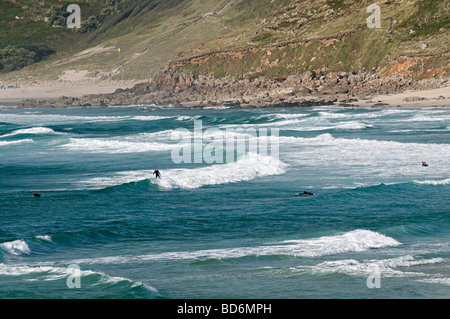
<point>225,230</point>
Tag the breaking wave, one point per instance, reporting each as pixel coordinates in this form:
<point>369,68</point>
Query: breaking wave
<point>114,146</point>
<point>4,143</point>
<point>354,241</point>
<point>245,169</point>
<point>16,247</point>
<point>32,130</point>
<point>95,279</point>
<point>434,182</point>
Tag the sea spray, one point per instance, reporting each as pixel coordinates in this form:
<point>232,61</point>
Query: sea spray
<point>16,247</point>
<point>247,168</point>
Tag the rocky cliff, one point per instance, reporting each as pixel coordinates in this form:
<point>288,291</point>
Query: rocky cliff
<point>270,53</point>
<point>307,89</point>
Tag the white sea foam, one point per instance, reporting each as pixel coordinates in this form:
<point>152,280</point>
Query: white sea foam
<point>330,119</point>
<point>52,118</point>
<point>50,273</point>
<point>428,117</point>
<point>19,270</point>
<point>391,267</point>
<point>275,116</point>
<point>174,136</point>
<point>32,130</point>
<point>4,143</point>
<point>245,169</point>
<point>351,125</point>
<point>58,119</point>
<point>443,280</point>
<point>367,161</point>
<point>148,118</point>
<point>353,241</point>
<point>44,237</point>
<point>248,168</point>
<point>157,136</point>
<point>327,139</point>
<point>16,247</point>
<point>434,182</point>
<point>373,114</point>
<point>276,124</point>
<point>216,107</point>
<point>417,130</point>
<point>188,118</point>
<point>356,152</point>
<point>357,240</point>
<point>300,122</point>
<point>115,146</point>
<point>289,115</point>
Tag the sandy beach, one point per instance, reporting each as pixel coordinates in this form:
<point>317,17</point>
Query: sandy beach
<point>428,98</point>
<point>439,97</point>
<point>71,83</point>
<point>53,92</point>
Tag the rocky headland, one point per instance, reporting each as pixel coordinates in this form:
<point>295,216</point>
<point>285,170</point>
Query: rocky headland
<point>307,89</point>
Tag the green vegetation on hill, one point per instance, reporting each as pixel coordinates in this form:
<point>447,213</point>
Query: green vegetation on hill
<point>149,33</point>
<point>25,22</point>
<point>237,38</point>
<point>329,35</point>
<point>31,30</point>
<point>12,58</point>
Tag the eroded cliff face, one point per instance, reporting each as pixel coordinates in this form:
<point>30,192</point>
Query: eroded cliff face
<point>300,53</point>
<point>326,55</point>
<point>306,89</point>
<point>327,36</point>
<point>419,67</point>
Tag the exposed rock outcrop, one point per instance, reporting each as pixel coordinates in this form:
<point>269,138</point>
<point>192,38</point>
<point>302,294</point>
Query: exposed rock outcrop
<point>305,89</point>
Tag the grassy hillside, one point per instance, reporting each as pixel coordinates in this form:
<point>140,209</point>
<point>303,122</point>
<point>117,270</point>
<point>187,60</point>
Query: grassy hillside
<point>25,22</point>
<point>30,23</point>
<point>234,38</point>
<point>149,33</point>
<point>331,35</point>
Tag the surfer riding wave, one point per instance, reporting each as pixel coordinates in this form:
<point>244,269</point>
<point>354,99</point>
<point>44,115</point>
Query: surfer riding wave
<point>157,173</point>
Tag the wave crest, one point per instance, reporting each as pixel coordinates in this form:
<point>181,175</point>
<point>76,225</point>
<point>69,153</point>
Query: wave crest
<point>112,146</point>
<point>32,130</point>
<point>354,241</point>
<point>245,169</point>
<point>16,247</point>
<point>434,182</point>
<point>4,143</point>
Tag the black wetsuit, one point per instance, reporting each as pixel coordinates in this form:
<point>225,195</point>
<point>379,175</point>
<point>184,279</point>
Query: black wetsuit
<point>157,173</point>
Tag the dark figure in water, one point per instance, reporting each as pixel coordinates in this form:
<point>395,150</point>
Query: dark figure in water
<point>157,173</point>
<point>424,164</point>
<point>307,193</point>
<point>37,195</point>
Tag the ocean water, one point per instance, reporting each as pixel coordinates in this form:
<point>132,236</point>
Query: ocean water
<point>104,227</point>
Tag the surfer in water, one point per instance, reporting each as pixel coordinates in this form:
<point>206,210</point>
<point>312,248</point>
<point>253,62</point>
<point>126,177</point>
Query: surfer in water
<point>157,173</point>
<point>424,164</point>
<point>307,193</point>
<point>37,195</point>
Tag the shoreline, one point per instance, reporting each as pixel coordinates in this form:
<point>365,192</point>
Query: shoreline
<point>349,90</point>
<point>439,97</point>
<point>54,90</point>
